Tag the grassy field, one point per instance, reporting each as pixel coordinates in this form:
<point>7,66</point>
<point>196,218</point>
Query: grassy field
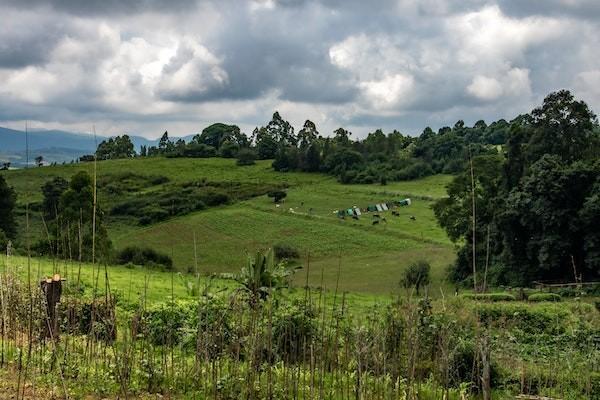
<point>361,256</point>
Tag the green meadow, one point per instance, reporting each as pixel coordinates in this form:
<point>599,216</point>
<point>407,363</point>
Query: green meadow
<point>353,254</point>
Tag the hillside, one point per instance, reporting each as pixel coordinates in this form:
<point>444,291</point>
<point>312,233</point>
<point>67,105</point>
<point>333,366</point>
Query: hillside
<point>370,257</point>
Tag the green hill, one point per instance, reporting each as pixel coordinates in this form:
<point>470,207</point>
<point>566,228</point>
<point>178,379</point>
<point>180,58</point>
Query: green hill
<point>369,257</point>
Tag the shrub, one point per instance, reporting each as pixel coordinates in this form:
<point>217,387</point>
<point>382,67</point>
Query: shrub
<point>245,157</point>
<point>212,327</point>
<point>293,330</point>
<point>143,256</point>
<point>277,195</point>
<point>165,323</point>
<point>284,251</point>
<point>493,297</point>
<point>528,318</point>
<point>537,297</point>
<point>75,317</point>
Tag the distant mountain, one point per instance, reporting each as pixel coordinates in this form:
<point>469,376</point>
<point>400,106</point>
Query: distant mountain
<point>55,145</point>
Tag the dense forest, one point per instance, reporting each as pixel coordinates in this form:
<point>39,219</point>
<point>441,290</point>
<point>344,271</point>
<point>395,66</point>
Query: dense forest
<point>532,211</point>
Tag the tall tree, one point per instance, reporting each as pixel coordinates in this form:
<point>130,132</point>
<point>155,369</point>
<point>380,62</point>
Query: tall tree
<point>308,134</point>
<point>282,131</point>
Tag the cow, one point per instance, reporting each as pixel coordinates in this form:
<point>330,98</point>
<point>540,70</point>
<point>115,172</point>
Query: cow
<point>374,222</point>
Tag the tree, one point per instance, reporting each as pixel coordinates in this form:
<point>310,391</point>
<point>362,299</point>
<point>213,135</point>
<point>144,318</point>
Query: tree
<point>115,148</point>
<point>308,134</point>
<point>5,166</point>
<point>281,131</point>
<point>562,126</point>
<point>165,145</point>
<point>8,200</point>
<point>77,205</point>
<point>312,158</point>
<point>215,134</point>
<point>342,137</point>
<point>39,160</point>
<point>545,222</point>
<point>266,144</point>
<point>416,275</point>
<point>52,192</point>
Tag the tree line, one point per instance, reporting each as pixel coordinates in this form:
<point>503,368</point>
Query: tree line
<point>379,157</point>
<point>531,211</point>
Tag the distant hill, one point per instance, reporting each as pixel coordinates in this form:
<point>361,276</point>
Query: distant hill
<point>54,145</point>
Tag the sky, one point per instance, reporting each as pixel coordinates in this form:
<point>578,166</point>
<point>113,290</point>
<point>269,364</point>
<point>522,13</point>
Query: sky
<point>146,66</point>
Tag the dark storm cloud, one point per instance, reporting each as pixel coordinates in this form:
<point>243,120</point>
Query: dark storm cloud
<point>584,9</point>
<point>387,63</point>
<point>106,7</point>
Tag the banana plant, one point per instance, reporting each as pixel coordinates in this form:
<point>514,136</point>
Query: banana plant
<point>261,275</point>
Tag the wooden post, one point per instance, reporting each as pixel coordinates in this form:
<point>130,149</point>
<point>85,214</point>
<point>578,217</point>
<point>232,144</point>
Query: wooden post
<point>52,288</point>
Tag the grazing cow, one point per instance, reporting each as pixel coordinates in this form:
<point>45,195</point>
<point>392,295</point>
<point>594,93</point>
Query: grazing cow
<point>375,215</point>
<point>355,217</point>
<point>396,213</point>
<point>384,220</point>
<point>374,222</point>
<point>412,218</point>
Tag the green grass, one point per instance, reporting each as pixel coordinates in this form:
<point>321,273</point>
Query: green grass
<point>369,258</point>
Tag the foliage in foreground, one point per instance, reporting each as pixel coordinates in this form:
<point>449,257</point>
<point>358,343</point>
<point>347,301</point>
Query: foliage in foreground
<point>311,345</point>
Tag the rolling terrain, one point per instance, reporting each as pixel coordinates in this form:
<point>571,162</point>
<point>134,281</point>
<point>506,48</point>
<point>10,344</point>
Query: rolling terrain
<point>369,257</point>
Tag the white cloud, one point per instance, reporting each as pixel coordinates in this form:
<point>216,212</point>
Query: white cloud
<point>514,83</point>
<point>485,88</point>
<point>390,91</point>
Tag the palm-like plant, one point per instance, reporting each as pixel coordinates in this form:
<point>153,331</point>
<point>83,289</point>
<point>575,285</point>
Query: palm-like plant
<point>262,275</point>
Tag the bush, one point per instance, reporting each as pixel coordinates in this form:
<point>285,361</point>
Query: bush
<point>493,297</point>
<point>277,195</point>
<point>143,256</point>
<point>284,251</point>
<point>551,319</point>
<point>245,157</point>
<point>212,327</point>
<point>165,323</point>
<point>293,330</point>
<point>537,297</point>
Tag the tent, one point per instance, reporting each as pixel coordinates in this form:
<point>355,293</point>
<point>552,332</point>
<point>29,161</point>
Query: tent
<point>404,202</point>
<point>350,212</point>
<point>371,207</point>
<point>384,206</point>
<point>379,208</point>
<point>357,211</point>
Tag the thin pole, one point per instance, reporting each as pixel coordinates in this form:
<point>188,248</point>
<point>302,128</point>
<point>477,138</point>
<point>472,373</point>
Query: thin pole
<point>474,221</point>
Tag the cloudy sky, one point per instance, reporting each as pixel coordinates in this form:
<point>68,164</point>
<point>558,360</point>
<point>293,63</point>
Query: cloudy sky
<point>144,66</point>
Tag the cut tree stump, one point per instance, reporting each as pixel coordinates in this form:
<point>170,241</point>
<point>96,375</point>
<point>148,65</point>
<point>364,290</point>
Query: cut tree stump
<point>52,288</point>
